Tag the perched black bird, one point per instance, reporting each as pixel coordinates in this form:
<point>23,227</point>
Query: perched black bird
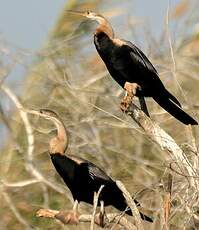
<point>132,70</point>
<point>82,177</point>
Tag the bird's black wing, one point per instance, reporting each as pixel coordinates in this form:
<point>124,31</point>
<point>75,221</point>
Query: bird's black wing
<point>130,63</point>
<point>93,171</point>
<point>147,74</point>
<point>98,174</point>
<point>139,57</point>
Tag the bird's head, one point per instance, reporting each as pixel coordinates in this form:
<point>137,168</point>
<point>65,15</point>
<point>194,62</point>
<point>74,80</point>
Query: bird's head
<point>59,143</point>
<point>102,21</point>
<point>88,14</point>
<point>49,115</point>
<point>94,16</point>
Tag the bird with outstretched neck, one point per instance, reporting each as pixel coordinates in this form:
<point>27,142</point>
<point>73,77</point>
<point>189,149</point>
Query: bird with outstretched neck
<point>82,177</point>
<point>132,70</point>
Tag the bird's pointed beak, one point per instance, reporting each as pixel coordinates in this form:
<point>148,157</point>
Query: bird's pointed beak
<point>38,113</point>
<point>81,13</point>
<point>35,112</point>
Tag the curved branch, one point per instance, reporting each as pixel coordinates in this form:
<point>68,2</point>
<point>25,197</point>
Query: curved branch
<point>30,138</point>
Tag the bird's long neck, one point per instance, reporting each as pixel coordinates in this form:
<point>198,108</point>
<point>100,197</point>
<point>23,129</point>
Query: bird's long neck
<point>104,27</point>
<point>59,143</point>
<point>61,131</point>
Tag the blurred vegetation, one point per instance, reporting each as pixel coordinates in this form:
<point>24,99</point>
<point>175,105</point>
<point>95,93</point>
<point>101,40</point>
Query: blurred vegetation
<point>68,76</point>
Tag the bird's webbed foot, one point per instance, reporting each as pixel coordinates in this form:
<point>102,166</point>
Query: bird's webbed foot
<point>69,217</point>
<point>100,217</point>
<point>131,89</point>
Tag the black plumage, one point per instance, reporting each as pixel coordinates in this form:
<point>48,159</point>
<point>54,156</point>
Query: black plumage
<point>126,63</point>
<point>82,177</point>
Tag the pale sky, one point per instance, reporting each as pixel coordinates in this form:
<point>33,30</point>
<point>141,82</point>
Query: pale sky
<point>26,23</point>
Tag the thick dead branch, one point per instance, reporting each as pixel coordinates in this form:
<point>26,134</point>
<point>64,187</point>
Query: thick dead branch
<point>116,219</point>
<point>165,141</point>
<point>86,218</point>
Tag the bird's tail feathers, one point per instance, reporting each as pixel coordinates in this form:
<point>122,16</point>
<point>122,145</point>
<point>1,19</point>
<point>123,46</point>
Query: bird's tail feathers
<point>172,98</point>
<point>174,109</point>
<point>124,208</point>
<point>143,216</point>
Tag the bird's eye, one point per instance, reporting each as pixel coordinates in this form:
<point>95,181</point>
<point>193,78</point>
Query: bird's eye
<point>88,12</point>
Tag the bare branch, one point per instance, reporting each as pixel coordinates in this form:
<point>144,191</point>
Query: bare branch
<point>30,137</point>
<point>95,202</point>
<point>20,183</point>
<point>15,210</point>
<point>167,202</point>
<point>171,51</point>
<point>131,204</point>
<point>86,218</point>
<point>164,141</point>
<point>25,120</point>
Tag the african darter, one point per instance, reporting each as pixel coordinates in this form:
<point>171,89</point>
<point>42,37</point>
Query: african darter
<point>82,177</point>
<point>132,70</point>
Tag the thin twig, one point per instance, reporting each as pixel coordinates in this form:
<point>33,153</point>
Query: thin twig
<point>25,120</point>
<point>95,203</point>
<point>171,50</point>
<point>30,138</point>
<point>167,202</point>
<point>15,210</point>
<point>20,183</point>
<point>131,205</point>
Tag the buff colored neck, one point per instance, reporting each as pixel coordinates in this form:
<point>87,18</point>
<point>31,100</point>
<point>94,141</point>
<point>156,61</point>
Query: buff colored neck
<point>59,144</point>
<point>105,27</point>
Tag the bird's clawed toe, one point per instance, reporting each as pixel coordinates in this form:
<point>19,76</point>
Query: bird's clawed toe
<point>125,103</point>
<point>70,217</point>
<point>46,213</point>
<point>131,89</point>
